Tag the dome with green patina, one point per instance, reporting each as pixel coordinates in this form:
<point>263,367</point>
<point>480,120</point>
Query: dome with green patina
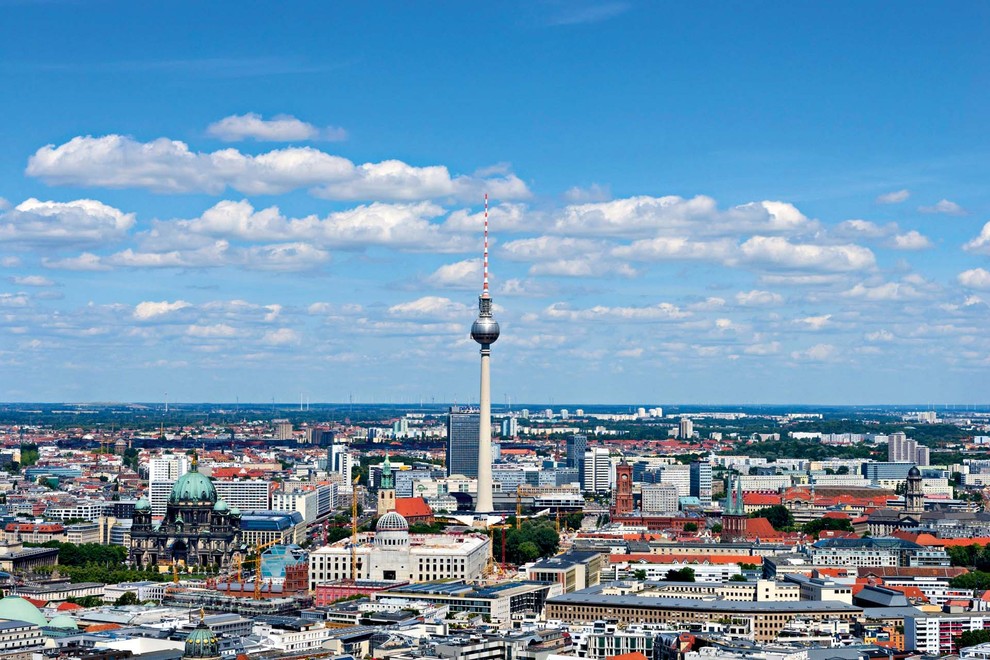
<point>193,487</point>
<point>202,643</point>
<point>142,505</point>
<point>63,621</point>
<point>221,507</point>
<point>15,608</point>
<point>234,511</point>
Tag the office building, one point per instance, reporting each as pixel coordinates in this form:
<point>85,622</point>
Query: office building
<point>659,498</point>
<point>701,482</point>
<point>685,429</point>
<point>597,470</point>
<point>246,495</point>
<point>163,472</point>
<point>576,446</point>
<point>901,449</point>
<point>510,427</point>
<point>462,441</point>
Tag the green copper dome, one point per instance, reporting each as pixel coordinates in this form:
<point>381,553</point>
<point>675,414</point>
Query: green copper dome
<point>142,505</point>
<point>194,487</point>
<point>202,643</point>
<point>221,507</point>
<point>63,621</point>
<point>15,608</point>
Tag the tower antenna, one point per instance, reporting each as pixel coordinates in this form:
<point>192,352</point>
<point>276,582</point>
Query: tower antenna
<point>484,287</point>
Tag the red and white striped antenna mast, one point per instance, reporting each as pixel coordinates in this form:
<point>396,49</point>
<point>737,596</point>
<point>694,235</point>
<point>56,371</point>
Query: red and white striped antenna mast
<point>484,288</point>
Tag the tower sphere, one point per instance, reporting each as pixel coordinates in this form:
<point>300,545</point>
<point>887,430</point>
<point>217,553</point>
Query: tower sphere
<point>485,330</point>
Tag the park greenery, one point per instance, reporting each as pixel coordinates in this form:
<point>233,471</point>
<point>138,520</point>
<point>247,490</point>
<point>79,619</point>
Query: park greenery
<point>534,539</point>
<point>972,638</point>
<point>778,515</point>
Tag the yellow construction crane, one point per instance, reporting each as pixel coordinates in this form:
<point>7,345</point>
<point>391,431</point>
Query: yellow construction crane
<point>175,573</point>
<point>518,506</point>
<point>354,522</point>
<point>257,566</point>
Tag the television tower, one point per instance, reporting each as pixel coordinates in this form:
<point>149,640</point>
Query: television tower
<point>485,332</point>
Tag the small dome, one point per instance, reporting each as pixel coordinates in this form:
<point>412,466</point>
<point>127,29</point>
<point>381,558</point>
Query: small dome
<point>221,507</point>
<point>142,505</point>
<point>202,643</point>
<point>392,522</point>
<point>193,486</point>
<point>15,608</point>
<point>63,621</point>
<point>914,472</point>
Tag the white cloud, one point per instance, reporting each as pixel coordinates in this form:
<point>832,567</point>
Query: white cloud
<point>776,252</point>
<point>884,292</point>
<point>87,261</point>
<point>943,206</point>
<point>215,331</point>
<point>980,244</point>
<point>769,348</point>
<point>815,322</point>
<point>586,266</point>
<point>4,204</point>
<point>676,216</point>
<point>169,166</point>
<point>32,280</point>
<point>676,249</point>
<point>502,218</point>
<point>79,223</point>
<point>880,336</point>
<point>13,300</point>
<point>431,307</point>
<point>757,297</point>
<point>280,128</point>
<point>593,193</point>
<point>912,240</point>
<point>977,278</point>
<point>659,312</point>
<point>458,275</point>
<point>817,353</point>
<point>149,310</point>
<point>10,262</point>
<point>281,337</point>
<point>895,197</point>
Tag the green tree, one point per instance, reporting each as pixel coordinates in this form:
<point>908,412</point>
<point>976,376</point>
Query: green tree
<point>738,577</point>
<point>127,598</point>
<point>685,574</point>
<point>978,580</point>
<point>778,515</point>
<point>527,551</point>
<point>639,574</point>
<point>690,527</point>
<point>972,638</point>
<point>29,454</point>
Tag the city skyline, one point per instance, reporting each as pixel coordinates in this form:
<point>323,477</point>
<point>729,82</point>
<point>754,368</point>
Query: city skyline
<point>760,205</point>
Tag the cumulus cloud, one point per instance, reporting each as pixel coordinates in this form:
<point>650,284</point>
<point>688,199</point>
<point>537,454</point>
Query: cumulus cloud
<point>458,275</point>
<point>758,298</point>
<point>281,337</point>
<point>431,307</point>
<point>912,240</point>
<point>769,348</point>
<point>32,280</point>
<point>659,312</point>
<point>884,292</point>
<point>280,128</point>
<point>87,261</point>
<point>817,353</point>
<point>144,311</point>
<point>980,244</point>
<point>895,197</point>
<point>815,322</point>
<point>214,331</point>
<point>891,234</point>
<point>593,193</point>
<point>943,206</point>
<point>776,252</point>
<point>880,336</point>
<point>81,222</point>
<point>169,166</point>
<point>977,278</point>
<point>676,216</point>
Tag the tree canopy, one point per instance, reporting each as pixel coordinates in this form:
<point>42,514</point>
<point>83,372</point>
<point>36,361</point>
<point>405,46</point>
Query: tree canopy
<point>778,515</point>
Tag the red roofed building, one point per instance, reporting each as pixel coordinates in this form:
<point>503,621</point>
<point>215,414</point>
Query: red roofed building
<point>414,510</point>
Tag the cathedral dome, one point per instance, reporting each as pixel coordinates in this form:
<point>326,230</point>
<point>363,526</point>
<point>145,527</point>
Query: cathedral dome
<point>15,608</point>
<point>193,486</point>
<point>221,507</point>
<point>392,522</point>
<point>142,505</point>
<point>202,643</point>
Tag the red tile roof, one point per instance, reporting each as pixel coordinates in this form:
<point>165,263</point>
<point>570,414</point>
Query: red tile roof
<point>760,527</point>
<point>413,507</point>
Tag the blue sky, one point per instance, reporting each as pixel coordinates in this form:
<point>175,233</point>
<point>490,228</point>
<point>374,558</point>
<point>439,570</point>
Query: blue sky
<point>722,202</point>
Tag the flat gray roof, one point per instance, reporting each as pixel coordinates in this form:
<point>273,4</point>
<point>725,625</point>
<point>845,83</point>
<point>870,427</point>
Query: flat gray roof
<point>596,598</point>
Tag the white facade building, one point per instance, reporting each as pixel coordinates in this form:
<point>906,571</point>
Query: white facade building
<point>597,470</point>
<point>660,498</point>
<point>162,475</point>
<point>391,553</point>
<point>246,495</point>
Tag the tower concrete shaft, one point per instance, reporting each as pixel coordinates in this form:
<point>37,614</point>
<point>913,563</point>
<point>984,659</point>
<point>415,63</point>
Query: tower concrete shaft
<point>484,500</point>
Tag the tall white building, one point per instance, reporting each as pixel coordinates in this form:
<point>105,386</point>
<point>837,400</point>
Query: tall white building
<point>685,428</point>
<point>162,475</point>
<point>680,476</point>
<point>660,498</point>
<point>901,449</point>
<point>597,470</point>
<point>246,495</point>
<point>306,503</point>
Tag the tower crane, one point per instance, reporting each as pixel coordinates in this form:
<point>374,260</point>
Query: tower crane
<point>257,566</point>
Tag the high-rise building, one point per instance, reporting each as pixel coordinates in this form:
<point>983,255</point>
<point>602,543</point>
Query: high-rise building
<point>340,460</point>
<point>901,449</point>
<point>577,446</point>
<point>163,472</point>
<point>659,498</point>
<point>462,441</point>
<point>246,495</point>
<point>701,482</point>
<point>283,429</point>
<point>510,427</point>
<point>680,476</point>
<point>597,470</point>
<point>685,429</point>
